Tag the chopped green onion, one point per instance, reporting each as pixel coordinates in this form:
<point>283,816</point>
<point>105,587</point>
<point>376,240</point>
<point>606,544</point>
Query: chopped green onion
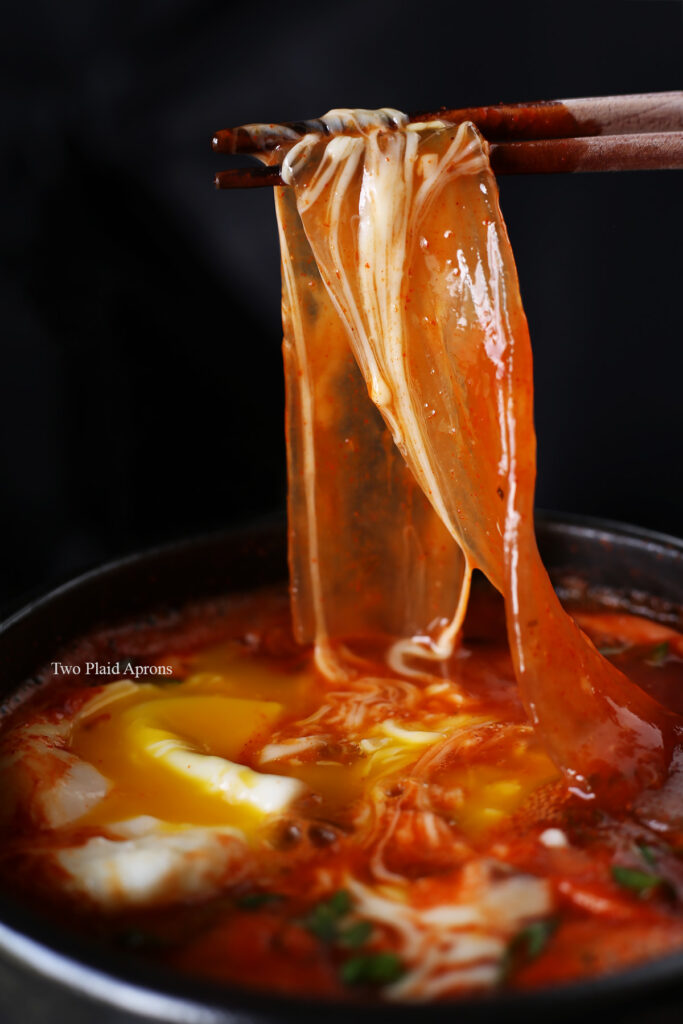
<point>323,920</point>
<point>254,900</point>
<point>340,902</point>
<point>527,945</point>
<point>607,651</point>
<point>326,918</point>
<point>372,969</point>
<point>322,924</point>
<point>647,853</point>
<point>637,881</point>
<point>659,653</point>
<point>532,940</point>
<point>356,934</point>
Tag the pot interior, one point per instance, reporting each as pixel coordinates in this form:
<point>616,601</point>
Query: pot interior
<point>596,561</point>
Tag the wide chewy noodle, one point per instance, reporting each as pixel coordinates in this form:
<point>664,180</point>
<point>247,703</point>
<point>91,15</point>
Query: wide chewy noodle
<point>404,226</point>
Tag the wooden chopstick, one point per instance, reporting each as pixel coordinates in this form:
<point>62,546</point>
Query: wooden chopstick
<point>647,152</point>
<point>643,131</point>
<point>507,122</point>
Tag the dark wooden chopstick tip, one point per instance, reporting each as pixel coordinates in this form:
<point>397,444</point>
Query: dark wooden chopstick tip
<point>248,177</point>
<point>223,141</point>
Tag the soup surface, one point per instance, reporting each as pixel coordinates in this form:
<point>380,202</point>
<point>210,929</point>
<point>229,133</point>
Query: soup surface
<point>237,815</point>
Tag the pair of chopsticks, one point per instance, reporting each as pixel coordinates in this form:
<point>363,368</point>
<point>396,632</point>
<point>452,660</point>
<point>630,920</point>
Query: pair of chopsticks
<point>606,133</point>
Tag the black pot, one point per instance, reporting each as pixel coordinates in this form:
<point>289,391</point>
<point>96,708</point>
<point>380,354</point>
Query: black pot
<point>50,975</point>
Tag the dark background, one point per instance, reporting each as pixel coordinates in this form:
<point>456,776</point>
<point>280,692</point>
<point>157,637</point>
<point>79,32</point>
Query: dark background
<point>140,379</point>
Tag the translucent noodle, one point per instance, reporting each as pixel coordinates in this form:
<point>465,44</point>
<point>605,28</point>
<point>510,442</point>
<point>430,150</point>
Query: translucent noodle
<point>407,233</point>
<point>368,555</point>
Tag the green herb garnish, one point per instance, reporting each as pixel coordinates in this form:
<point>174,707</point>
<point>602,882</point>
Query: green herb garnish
<point>640,882</point>
<point>328,921</point>
<point>659,653</point>
<point>355,935</point>
<point>340,902</point>
<point>323,921</point>
<point>535,937</point>
<point>527,945</point>
<point>371,969</point>
<point>647,853</point>
<point>254,900</point>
